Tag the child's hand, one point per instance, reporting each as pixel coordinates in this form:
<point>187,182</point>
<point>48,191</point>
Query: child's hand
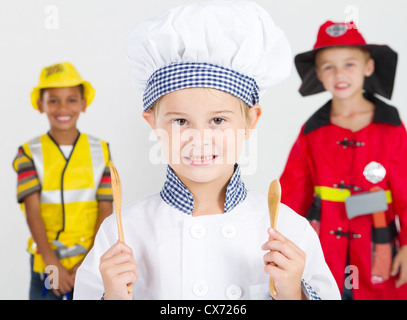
<point>118,268</point>
<point>289,265</point>
<point>65,281</point>
<point>75,268</point>
<point>400,264</point>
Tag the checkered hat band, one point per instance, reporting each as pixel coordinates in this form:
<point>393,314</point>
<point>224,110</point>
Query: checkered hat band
<point>189,75</point>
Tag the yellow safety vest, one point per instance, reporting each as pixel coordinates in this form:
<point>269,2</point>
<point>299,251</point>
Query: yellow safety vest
<point>69,207</point>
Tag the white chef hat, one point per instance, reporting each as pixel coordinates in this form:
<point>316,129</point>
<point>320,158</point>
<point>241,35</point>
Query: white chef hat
<point>230,45</point>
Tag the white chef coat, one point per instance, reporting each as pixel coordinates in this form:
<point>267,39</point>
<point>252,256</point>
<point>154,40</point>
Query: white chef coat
<point>180,256</point>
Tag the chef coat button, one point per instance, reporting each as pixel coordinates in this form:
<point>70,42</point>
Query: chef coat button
<point>197,231</point>
<point>233,292</point>
<point>200,288</point>
<point>228,231</point>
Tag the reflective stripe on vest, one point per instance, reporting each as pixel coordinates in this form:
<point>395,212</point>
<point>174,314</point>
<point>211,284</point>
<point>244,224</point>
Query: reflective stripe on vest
<point>84,194</point>
<point>68,196</point>
<point>340,195</point>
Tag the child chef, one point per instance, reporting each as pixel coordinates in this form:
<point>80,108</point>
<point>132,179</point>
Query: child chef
<point>202,68</point>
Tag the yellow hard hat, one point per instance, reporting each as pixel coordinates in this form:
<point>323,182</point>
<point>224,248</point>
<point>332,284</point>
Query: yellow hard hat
<point>61,75</point>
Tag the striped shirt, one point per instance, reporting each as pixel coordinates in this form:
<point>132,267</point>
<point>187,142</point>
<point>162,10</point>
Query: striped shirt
<point>27,178</point>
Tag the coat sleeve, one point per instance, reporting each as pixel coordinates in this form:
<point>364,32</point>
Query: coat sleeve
<point>398,181</point>
<point>296,181</point>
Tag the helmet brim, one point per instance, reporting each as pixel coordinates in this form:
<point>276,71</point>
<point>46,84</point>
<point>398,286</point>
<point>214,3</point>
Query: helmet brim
<point>381,82</point>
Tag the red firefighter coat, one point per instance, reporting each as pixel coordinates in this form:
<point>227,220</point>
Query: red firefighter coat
<point>331,163</point>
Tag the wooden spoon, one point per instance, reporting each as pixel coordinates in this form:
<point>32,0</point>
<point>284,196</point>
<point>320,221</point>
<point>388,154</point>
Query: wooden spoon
<point>274,198</point>
<point>117,198</point>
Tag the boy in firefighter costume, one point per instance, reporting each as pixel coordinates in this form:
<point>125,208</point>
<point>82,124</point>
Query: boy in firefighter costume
<point>63,183</point>
<point>347,170</point>
<point>202,68</point>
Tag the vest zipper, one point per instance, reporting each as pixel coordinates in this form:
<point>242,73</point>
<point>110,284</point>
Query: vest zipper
<point>62,181</point>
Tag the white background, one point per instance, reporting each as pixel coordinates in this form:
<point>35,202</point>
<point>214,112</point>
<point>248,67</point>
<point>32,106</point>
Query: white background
<point>91,34</point>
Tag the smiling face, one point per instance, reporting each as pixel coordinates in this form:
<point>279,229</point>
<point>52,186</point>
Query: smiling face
<point>201,131</point>
<point>62,107</point>
<point>342,70</point>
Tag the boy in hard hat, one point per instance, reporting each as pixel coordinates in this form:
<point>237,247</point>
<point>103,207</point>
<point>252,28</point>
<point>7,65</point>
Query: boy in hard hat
<point>347,170</point>
<point>63,183</point>
<point>202,67</point>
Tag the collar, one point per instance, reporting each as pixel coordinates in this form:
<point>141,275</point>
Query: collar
<point>58,146</point>
<point>384,113</point>
<point>175,194</point>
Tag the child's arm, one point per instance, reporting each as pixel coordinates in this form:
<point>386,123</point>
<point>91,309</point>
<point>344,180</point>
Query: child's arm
<point>289,266</point>
<point>105,209</point>
<point>118,268</point>
<point>38,232</point>
<point>397,175</point>
<point>400,265</point>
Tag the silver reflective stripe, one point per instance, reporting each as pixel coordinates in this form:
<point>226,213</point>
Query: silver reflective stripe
<point>54,196</point>
<point>36,153</point>
<point>69,195</point>
<point>98,161</point>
